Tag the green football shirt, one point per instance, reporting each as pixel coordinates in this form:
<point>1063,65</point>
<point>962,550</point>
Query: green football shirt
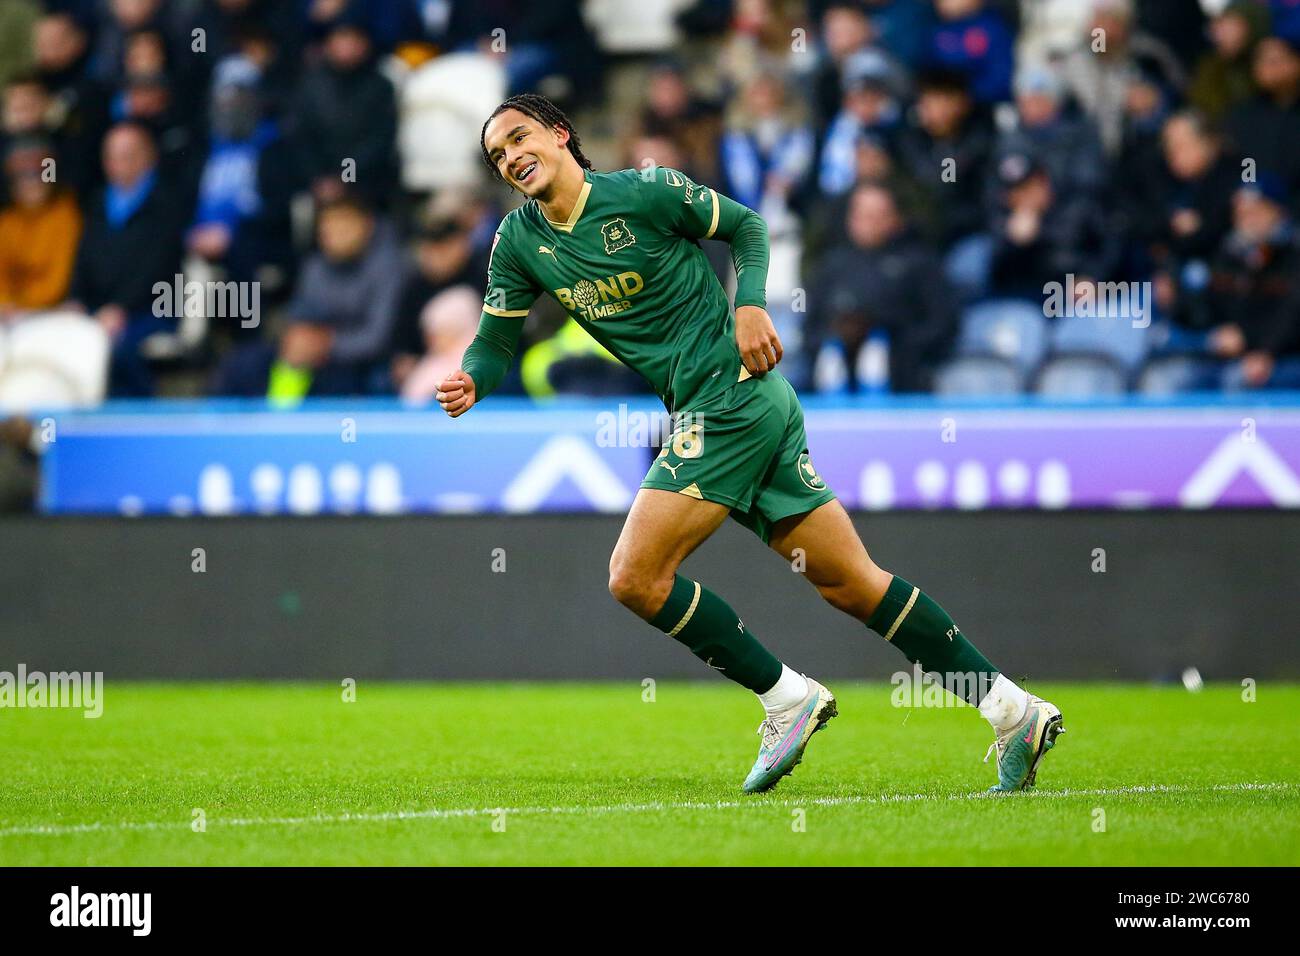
<point>627,267</point>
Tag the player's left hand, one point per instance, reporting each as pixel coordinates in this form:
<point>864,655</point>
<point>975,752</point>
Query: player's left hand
<point>760,347</point>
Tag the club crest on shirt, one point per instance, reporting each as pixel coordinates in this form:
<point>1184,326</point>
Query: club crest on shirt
<point>808,474</point>
<point>617,236</point>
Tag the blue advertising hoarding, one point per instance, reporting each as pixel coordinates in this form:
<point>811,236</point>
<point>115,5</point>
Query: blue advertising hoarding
<point>512,457</point>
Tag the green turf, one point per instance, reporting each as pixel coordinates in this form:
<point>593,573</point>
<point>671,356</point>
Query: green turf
<point>591,774</point>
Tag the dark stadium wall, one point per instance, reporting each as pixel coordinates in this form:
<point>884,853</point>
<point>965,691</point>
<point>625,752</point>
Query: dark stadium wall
<point>419,599</point>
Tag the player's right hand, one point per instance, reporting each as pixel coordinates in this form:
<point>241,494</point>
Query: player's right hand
<point>456,393</point>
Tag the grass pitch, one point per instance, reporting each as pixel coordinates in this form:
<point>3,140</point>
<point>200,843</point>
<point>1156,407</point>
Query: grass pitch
<point>518,774</point>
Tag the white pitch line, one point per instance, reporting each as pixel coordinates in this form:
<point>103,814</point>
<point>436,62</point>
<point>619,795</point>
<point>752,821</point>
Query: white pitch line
<point>59,829</point>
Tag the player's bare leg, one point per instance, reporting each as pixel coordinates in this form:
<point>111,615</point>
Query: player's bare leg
<point>661,531</point>
<point>836,563</point>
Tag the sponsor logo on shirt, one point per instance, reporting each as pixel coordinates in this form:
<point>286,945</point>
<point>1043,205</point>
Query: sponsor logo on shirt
<point>602,298</point>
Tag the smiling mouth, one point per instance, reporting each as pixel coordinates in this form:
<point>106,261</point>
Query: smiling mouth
<point>524,174</point>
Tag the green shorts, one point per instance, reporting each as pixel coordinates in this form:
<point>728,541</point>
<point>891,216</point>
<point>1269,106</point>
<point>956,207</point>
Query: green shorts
<point>746,449</point>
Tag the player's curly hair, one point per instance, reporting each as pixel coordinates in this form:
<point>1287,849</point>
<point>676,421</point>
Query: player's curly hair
<point>543,111</point>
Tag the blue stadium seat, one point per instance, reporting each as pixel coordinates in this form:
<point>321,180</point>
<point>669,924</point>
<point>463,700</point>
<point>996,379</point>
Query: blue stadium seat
<point>1101,335</point>
<point>1179,373</point>
<point>1081,376</point>
<point>979,375</point>
<point>1009,328</point>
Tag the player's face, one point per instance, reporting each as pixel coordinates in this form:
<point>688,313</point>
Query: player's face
<point>526,154</point>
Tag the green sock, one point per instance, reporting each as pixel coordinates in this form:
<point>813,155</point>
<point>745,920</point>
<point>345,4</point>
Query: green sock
<point>288,384</point>
<point>924,632</point>
<point>707,625</point>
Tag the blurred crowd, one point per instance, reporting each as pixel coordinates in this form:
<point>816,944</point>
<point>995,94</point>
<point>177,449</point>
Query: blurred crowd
<point>1069,197</point>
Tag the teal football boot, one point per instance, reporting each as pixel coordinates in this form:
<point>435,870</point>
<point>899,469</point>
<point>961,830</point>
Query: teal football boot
<point>1022,746</point>
<point>785,736</point>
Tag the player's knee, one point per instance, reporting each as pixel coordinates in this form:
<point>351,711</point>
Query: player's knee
<point>624,585</point>
<point>620,585</point>
<point>847,597</point>
<point>641,593</point>
<point>858,596</point>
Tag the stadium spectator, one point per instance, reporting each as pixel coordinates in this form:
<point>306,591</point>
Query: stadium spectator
<point>973,38</point>
<point>39,230</point>
<point>346,116</point>
<point>1146,109</point>
<point>78,116</point>
<point>26,103</point>
<point>1043,234</point>
<point>132,239</point>
<point>947,150</point>
<point>26,106</point>
<point>147,53</point>
<point>242,219</point>
<point>1100,72</point>
<point>1266,128</point>
<point>447,324</point>
<point>273,56</point>
<point>341,316</point>
<point>61,50</point>
<point>673,111</point>
<point>144,52</point>
<point>642,152</point>
<point>845,30</point>
<point>149,38</point>
<point>874,163</point>
<point>766,149</point>
<point>880,294</point>
<point>1223,75</point>
<point>268,32</point>
<point>1254,290</point>
<point>870,107</point>
<point>1186,209</point>
<point>150,98</point>
<point>124,18</point>
<point>1050,30</point>
<point>1066,145</point>
<point>759,42</point>
<point>445,257</point>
